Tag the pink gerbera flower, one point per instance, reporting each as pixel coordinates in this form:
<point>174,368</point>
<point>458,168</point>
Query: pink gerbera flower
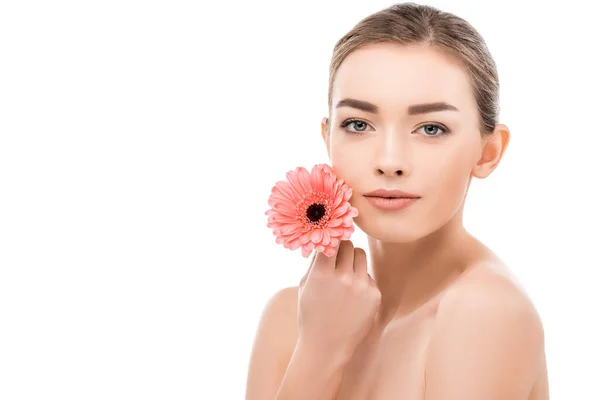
<point>311,210</point>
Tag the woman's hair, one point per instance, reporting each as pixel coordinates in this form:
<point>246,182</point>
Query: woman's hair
<point>410,23</point>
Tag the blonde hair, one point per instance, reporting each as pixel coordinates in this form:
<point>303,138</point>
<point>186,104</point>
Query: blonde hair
<point>411,23</point>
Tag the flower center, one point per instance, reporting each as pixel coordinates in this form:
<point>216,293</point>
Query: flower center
<point>315,212</point>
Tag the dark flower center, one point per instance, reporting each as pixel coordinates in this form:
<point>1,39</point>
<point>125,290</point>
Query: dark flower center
<point>315,212</point>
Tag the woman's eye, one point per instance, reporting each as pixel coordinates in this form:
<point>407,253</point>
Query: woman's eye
<point>434,130</point>
<point>359,125</point>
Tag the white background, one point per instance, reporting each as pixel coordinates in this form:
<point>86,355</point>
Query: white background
<point>139,143</point>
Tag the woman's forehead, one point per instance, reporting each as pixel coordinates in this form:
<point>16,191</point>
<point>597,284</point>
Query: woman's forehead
<point>387,73</point>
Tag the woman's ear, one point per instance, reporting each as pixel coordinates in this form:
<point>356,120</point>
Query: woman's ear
<point>325,133</point>
<point>492,151</point>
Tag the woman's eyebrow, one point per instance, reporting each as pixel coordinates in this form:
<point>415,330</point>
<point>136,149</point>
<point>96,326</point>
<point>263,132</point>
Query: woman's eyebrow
<point>412,110</point>
<point>359,105</point>
<point>430,107</point>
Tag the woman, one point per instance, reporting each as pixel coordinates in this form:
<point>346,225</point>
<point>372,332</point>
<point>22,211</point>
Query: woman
<point>413,106</point>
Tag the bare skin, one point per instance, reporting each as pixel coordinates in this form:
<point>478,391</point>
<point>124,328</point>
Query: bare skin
<point>451,322</point>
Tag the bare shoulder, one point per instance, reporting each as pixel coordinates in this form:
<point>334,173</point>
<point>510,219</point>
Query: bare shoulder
<point>274,344</point>
<point>278,326</point>
<point>490,293</point>
<point>487,331</point>
<point>283,305</point>
<point>492,287</point>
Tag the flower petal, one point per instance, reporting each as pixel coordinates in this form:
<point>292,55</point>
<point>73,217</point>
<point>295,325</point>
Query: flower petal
<point>326,237</point>
<point>348,221</point>
<point>334,222</point>
<point>305,180</point>
<point>339,197</point>
<point>353,212</point>
<point>347,193</point>
<point>336,232</point>
<point>289,229</point>
<point>316,179</point>
<point>328,184</point>
<point>325,168</point>
<point>295,185</point>
<point>347,233</point>
<point>273,225</point>
<point>316,235</point>
<point>341,210</point>
<point>306,250</point>
<point>329,251</point>
<point>285,209</point>
<point>282,219</point>
<point>294,244</point>
<point>305,238</point>
<point>294,235</point>
<point>285,189</point>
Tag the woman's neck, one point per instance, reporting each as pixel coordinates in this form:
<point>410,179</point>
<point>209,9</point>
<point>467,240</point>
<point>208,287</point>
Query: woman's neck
<point>410,274</point>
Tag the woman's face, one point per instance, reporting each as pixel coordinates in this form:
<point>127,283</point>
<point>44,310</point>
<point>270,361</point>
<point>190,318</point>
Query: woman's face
<point>393,142</point>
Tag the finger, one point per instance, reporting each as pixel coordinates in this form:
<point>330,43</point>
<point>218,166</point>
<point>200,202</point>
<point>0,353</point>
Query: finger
<point>345,259</point>
<point>325,262</point>
<point>360,263</point>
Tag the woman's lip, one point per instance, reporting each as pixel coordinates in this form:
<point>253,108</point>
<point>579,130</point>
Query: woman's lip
<point>389,193</point>
<point>391,204</point>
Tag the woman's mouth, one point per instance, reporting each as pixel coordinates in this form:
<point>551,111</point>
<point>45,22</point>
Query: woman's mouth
<point>391,203</point>
<point>390,200</point>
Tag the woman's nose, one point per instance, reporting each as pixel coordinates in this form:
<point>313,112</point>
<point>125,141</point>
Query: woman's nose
<point>392,157</point>
<point>390,172</point>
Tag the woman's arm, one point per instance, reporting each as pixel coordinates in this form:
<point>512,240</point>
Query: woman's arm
<point>488,343</point>
<point>311,375</point>
<point>280,367</point>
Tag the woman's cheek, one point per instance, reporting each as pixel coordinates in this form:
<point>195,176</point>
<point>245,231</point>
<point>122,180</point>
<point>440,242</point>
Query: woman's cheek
<point>455,183</point>
<point>345,164</point>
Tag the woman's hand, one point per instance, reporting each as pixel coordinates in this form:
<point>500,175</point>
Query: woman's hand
<point>337,302</point>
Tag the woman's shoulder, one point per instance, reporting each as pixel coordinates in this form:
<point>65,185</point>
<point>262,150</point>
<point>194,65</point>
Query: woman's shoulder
<point>281,309</point>
<point>487,324</point>
<point>492,279</point>
<point>280,320</point>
